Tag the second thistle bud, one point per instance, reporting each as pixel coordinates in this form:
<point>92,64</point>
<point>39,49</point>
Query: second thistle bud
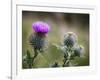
<point>70,39</point>
<point>78,50</point>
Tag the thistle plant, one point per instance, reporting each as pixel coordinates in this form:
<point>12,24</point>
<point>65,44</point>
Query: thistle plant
<point>70,48</point>
<point>37,40</point>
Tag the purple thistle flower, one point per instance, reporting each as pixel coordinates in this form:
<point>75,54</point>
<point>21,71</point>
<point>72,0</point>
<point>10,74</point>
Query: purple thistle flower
<point>40,27</point>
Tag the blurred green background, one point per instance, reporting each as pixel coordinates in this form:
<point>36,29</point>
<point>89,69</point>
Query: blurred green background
<point>60,23</point>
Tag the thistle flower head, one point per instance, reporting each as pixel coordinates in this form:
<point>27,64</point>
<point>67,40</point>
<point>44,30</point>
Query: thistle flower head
<point>70,39</point>
<point>40,27</point>
<point>78,50</point>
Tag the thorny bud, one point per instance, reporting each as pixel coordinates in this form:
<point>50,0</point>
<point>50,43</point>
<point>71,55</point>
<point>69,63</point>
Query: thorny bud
<point>70,39</point>
<point>78,50</point>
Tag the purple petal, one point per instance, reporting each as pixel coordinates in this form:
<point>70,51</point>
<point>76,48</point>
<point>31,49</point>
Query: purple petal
<point>40,27</point>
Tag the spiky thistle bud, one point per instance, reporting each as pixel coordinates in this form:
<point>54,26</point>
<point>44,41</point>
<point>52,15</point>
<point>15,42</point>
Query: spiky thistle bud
<point>70,39</point>
<point>78,50</point>
<point>37,41</point>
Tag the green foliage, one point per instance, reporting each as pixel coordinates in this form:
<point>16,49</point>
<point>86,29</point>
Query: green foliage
<point>27,60</point>
<point>68,51</point>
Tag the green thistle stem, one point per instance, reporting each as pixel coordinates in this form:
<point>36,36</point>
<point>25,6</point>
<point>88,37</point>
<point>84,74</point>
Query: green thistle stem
<point>35,54</point>
<point>66,62</point>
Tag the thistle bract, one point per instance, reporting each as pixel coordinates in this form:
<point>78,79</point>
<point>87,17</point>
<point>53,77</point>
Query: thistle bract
<point>40,27</point>
<point>78,50</point>
<point>37,41</point>
<point>70,39</point>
